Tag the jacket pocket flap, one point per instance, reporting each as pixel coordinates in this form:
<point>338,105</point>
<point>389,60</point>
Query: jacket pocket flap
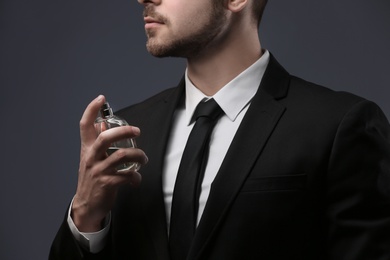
<point>282,182</point>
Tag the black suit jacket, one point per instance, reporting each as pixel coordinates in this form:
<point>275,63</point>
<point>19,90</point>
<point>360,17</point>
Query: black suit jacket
<point>307,176</point>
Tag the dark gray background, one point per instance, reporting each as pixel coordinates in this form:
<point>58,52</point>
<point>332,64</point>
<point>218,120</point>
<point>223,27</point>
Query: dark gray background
<point>56,56</point>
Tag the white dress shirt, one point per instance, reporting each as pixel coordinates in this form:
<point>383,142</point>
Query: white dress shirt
<point>234,99</point>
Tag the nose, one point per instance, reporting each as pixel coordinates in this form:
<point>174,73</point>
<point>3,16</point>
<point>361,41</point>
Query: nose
<point>145,2</point>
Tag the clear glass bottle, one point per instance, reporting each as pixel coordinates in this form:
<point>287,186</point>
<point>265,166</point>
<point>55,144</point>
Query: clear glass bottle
<point>107,120</point>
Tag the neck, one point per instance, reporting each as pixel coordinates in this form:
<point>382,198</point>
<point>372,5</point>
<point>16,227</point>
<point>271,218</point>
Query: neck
<point>218,65</point>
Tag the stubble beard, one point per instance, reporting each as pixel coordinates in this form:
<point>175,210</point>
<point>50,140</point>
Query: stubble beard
<point>190,45</point>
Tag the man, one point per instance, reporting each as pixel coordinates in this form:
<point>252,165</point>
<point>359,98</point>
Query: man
<point>295,170</point>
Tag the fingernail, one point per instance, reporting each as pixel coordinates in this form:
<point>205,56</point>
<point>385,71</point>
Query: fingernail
<point>136,130</point>
<point>100,98</point>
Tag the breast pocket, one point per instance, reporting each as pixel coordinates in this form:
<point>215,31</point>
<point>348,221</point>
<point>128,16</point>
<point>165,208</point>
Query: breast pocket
<point>275,183</point>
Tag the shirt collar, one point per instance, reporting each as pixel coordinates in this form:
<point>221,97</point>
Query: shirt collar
<point>235,95</point>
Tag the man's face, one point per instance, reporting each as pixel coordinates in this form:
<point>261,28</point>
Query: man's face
<point>181,28</point>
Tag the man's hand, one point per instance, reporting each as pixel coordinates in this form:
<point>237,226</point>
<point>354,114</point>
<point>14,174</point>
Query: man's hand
<point>99,180</point>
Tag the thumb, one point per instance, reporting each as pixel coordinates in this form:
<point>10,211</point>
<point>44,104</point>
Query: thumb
<point>87,123</point>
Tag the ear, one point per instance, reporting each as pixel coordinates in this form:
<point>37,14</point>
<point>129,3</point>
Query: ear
<point>237,5</point>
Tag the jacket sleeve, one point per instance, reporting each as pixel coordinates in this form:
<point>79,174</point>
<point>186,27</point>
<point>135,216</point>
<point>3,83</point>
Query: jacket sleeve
<point>358,186</point>
<point>65,247</point>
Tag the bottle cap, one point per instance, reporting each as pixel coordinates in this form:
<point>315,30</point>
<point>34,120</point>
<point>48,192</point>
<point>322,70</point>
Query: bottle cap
<point>105,110</point>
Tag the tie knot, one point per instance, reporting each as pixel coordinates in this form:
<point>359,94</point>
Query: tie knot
<point>209,109</point>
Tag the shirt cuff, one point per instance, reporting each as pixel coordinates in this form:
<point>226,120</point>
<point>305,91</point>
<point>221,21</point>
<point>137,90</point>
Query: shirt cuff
<point>94,242</point>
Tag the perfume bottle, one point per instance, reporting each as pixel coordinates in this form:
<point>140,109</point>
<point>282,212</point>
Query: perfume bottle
<point>107,120</point>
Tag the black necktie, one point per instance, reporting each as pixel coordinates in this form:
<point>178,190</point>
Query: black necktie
<point>187,189</point>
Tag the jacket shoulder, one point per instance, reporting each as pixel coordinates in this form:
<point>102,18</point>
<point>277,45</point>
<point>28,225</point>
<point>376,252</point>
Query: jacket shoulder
<point>307,95</point>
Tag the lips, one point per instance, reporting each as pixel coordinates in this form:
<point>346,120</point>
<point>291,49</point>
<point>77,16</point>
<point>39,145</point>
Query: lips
<point>151,22</point>
<point>149,19</point>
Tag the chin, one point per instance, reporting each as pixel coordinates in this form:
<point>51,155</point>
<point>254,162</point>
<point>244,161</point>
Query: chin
<point>161,51</point>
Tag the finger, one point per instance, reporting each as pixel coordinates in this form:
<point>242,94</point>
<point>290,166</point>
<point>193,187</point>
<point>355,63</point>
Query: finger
<point>87,128</point>
<point>135,179</point>
<point>106,138</point>
<point>122,156</point>
<point>115,180</point>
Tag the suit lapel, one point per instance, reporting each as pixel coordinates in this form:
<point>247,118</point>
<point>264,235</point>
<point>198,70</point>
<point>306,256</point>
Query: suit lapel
<point>158,126</point>
<point>253,133</point>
